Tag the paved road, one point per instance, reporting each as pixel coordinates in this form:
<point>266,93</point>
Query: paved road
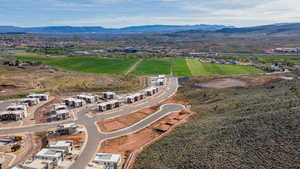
<point>95,137</point>
<point>163,112</point>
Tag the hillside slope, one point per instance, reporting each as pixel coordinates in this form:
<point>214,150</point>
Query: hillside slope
<point>255,127</point>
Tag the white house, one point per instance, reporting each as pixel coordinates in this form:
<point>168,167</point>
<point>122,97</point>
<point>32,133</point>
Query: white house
<point>88,98</point>
<point>17,107</point>
<point>58,107</point>
<point>29,101</point>
<point>42,97</point>
<point>151,91</point>
<point>109,95</point>
<point>62,114</point>
<point>66,145</point>
<point>109,105</point>
<point>66,129</point>
<point>109,160</point>
<point>134,98</point>
<point>56,155</point>
<point>12,115</point>
<point>72,102</point>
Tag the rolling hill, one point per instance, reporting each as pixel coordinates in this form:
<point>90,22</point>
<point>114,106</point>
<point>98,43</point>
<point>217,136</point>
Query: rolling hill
<point>99,30</point>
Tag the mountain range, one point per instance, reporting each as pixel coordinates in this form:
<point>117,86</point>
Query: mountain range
<point>99,29</point>
<point>273,29</point>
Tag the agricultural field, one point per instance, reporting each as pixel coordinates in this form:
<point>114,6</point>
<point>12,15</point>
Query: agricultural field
<point>262,58</point>
<point>153,67</point>
<point>242,127</point>
<point>85,64</point>
<point>208,69</point>
<point>180,67</point>
<point>119,66</point>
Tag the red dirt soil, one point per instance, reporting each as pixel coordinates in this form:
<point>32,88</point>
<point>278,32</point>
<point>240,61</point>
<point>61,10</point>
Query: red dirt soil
<point>127,120</point>
<point>262,82</point>
<point>135,142</point>
<point>78,138</point>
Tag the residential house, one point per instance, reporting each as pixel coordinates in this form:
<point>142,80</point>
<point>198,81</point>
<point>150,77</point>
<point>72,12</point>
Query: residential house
<point>66,145</point>
<point>72,102</point>
<point>109,160</point>
<point>42,97</point>
<point>88,98</point>
<point>29,101</point>
<point>12,115</point>
<point>62,114</point>
<point>66,129</point>
<point>109,105</point>
<point>109,95</point>
<point>56,155</point>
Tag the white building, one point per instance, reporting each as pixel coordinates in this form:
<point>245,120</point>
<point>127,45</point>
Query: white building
<point>72,102</point>
<point>29,101</point>
<point>37,164</point>
<point>42,97</point>
<point>158,80</point>
<point>109,95</point>
<point>17,107</point>
<point>12,115</point>
<point>57,107</point>
<point>109,105</point>
<point>66,129</point>
<point>151,91</point>
<point>88,98</point>
<point>108,160</point>
<point>56,155</point>
<point>134,97</point>
<point>62,114</point>
<point>66,145</point>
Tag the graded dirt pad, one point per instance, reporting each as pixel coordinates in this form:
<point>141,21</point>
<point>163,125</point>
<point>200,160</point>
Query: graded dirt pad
<point>228,82</point>
<point>135,142</point>
<point>125,121</point>
<point>223,83</point>
<point>78,138</point>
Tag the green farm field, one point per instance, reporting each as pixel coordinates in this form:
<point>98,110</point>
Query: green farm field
<point>87,64</point>
<point>208,69</point>
<point>180,67</point>
<point>153,67</point>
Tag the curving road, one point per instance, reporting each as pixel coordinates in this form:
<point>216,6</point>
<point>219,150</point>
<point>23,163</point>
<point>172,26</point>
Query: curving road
<point>94,136</point>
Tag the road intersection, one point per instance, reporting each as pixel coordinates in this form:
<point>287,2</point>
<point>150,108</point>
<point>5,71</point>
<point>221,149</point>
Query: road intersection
<point>95,136</point>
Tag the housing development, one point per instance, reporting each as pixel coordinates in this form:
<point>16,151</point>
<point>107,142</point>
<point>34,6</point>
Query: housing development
<point>79,115</point>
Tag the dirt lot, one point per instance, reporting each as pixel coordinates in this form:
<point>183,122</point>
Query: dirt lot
<point>17,82</point>
<point>136,141</point>
<point>228,82</point>
<point>78,138</point>
<point>6,159</point>
<point>127,120</point>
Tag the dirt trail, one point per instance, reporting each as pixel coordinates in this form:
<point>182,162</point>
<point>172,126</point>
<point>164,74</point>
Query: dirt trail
<point>132,68</point>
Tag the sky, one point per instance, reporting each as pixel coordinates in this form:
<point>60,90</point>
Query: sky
<point>122,13</point>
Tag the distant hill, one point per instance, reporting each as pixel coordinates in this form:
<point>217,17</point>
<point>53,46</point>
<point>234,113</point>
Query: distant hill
<point>89,30</point>
<point>275,29</point>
